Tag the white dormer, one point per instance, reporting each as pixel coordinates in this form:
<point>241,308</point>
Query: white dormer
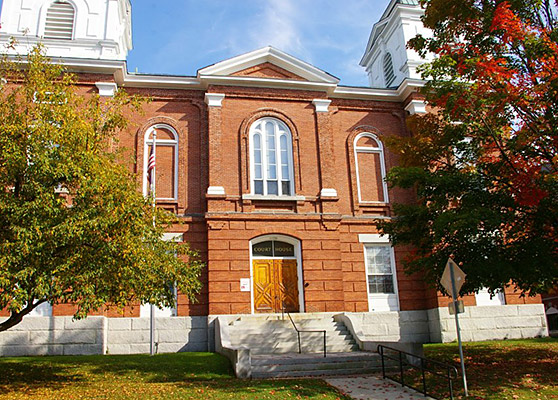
<point>85,29</point>
<point>386,59</point>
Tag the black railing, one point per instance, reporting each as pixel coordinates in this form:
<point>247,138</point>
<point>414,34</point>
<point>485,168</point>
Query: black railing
<point>299,331</point>
<point>407,361</point>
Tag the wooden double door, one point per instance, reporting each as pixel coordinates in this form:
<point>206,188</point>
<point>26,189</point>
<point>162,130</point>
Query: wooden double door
<point>275,284</point>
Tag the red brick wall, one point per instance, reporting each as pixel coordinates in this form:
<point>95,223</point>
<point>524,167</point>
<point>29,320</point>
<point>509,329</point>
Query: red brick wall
<point>213,151</point>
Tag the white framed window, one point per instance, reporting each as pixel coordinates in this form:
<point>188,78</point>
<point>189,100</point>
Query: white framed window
<point>166,160</point>
<point>370,169</point>
<point>484,298</point>
<point>381,277</point>
<point>145,309</point>
<point>389,74</point>
<point>42,310</point>
<point>60,20</point>
<point>271,158</point>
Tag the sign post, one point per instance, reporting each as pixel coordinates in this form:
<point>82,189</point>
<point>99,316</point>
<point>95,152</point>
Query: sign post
<point>452,280</point>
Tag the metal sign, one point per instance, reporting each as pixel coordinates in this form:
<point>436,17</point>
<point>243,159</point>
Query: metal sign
<point>459,278</point>
<point>460,307</point>
<point>452,280</point>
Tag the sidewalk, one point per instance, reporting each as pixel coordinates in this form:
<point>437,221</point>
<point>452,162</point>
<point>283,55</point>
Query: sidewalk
<point>373,387</point>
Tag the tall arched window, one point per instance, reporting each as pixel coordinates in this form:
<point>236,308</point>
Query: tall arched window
<point>271,158</point>
<point>166,161</point>
<point>389,74</point>
<point>370,169</point>
<point>59,22</point>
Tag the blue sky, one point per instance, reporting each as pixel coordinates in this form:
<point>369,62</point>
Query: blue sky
<point>181,36</point>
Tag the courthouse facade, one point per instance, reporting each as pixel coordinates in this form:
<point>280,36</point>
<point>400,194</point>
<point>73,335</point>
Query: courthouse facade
<point>276,172</point>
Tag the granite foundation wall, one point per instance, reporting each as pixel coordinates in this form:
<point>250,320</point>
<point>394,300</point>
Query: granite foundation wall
<point>480,323</point>
<point>393,326</point>
<point>101,335</point>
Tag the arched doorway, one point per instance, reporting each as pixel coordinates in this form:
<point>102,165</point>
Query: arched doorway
<point>276,274</point>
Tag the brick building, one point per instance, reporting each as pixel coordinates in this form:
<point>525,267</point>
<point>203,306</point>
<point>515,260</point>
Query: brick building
<point>276,172</point>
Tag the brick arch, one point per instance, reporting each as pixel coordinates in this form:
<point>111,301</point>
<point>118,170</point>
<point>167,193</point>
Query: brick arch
<point>245,150</point>
<point>352,161</point>
<point>273,231</point>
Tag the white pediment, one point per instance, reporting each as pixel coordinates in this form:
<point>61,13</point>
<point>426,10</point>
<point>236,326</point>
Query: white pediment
<point>268,55</point>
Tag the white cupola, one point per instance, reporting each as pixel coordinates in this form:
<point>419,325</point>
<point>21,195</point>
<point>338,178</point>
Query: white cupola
<point>83,29</point>
<point>387,59</point>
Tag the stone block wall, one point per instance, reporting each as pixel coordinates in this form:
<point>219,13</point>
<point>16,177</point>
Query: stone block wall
<point>100,335</point>
<point>39,336</point>
<point>172,334</point>
<point>402,326</point>
<point>480,323</point>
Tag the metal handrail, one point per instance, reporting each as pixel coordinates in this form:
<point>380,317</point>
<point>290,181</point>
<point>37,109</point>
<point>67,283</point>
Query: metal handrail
<point>450,375</point>
<point>299,331</point>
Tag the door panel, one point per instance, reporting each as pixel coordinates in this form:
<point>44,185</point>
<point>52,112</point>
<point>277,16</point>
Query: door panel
<point>287,284</point>
<point>263,286</point>
<point>275,282</point>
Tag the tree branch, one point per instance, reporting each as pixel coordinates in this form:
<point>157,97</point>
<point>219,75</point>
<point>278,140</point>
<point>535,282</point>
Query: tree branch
<point>17,317</point>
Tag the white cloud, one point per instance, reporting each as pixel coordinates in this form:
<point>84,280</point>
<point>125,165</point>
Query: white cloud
<point>277,26</point>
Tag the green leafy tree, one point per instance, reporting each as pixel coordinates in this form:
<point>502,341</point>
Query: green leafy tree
<point>484,162</point>
<point>73,226</point>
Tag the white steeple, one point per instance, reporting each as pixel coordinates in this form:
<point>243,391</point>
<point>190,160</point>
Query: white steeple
<point>386,59</point>
<point>84,29</point>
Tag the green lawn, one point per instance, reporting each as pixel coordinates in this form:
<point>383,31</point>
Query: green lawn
<point>168,376</point>
<point>499,370</point>
<point>505,370</point>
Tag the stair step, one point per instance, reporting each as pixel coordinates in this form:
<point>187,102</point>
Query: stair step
<point>285,323</point>
<point>279,337</point>
<point>286,328</point>
<point>325,372</point>
<point>333,358</point>
<point>291,349</point>
<point>320,366</point>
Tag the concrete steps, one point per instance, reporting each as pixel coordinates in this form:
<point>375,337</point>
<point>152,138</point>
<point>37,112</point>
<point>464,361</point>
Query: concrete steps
<point>270,334</point>
<point>307,365</point>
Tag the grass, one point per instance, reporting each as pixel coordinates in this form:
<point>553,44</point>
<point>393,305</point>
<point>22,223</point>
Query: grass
<point>497,370</point>
<point>508,369</point>
<point>166,376</point>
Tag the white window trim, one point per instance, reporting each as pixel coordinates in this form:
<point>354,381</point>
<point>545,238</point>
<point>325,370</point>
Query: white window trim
<point>166,312</point>
<point>42,310</point>
<point>380,296</point>
<point>373,150</point>
<point>285,128</point>
<point>297,257</point>
<point>160,142</point>
<point>499,298</point>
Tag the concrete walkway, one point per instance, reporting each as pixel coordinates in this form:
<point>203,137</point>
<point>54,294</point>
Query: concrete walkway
<point>373,387</point>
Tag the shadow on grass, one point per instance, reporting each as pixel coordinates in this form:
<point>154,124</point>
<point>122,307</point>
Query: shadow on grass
<point>63,370</point>
<point>187,375</point>
<point>263,389</point>
<point>497,367</point>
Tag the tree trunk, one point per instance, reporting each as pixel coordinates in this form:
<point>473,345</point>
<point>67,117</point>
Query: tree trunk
<point>16,317</point>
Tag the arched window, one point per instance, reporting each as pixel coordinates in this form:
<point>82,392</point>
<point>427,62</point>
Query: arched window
<point>59,22</point>
<point>389,74</point>
<point>166,161</point>
<point>370,169</point>
<point>271,158</point>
